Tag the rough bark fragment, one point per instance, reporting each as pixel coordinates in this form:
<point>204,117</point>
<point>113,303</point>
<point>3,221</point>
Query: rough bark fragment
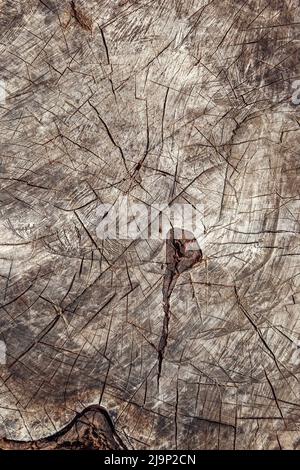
<point>89,430</point>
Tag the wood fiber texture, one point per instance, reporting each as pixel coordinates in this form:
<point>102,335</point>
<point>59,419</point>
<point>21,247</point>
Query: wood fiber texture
<point>136,344</point>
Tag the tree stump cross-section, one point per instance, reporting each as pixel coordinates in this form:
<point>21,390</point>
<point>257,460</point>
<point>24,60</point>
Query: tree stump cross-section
<point>144,343</point>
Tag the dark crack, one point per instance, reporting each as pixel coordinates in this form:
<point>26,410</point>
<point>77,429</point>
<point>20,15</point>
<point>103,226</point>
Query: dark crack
<point>181,255</point>
<point>82,19</point>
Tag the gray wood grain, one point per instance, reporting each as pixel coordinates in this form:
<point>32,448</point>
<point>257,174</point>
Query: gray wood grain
<point>178,100</point>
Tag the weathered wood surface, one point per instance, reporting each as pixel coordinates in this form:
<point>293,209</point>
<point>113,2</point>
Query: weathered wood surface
<point>186,100</point>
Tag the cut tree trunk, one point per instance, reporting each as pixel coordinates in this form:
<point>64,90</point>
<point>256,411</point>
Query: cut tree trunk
<point>143,344</point>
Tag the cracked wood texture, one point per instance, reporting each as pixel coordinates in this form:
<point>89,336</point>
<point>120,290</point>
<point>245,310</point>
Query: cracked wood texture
<point>138,344</point>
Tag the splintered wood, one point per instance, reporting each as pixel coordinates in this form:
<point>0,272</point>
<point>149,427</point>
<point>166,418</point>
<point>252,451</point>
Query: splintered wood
<point>144,343</point>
